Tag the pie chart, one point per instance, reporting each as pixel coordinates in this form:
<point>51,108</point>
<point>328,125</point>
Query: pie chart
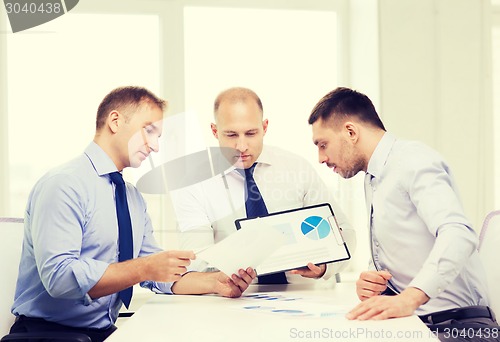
<point>315,227</point>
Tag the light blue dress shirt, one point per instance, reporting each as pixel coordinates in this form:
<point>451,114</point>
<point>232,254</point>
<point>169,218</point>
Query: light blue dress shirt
<point>71,237</point>
<point>419,232</point>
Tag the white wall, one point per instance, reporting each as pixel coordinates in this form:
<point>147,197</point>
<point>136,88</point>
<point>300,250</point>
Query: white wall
<point>496,99</point>
<point>4,148</point>
<point>426,66</point>
<point>435,86</point>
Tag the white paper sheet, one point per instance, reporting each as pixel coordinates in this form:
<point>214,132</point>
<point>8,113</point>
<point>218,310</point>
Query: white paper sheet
<point>242,249</point>
<point>311,233</point>
<point>282,304</point>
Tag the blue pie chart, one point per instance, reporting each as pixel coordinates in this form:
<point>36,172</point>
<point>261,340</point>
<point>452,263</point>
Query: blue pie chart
<point>315,227</point>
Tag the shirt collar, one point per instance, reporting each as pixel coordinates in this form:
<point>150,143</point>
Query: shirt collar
<point>380,155</point>
<point>264,158</point>
<point>100,160</point>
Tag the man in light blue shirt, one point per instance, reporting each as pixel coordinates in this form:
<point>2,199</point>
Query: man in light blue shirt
<point>69,275</point>
<point>424,251</point>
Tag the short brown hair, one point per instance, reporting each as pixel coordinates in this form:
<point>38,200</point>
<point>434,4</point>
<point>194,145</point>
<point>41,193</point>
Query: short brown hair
<point>126,97</point>
<point>344,102</point>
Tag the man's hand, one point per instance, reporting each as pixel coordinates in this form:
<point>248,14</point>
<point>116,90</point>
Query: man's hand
<point>372,283</point>
<point>162,266</point>
<point>311,271</point>
<point>235,285</point>
<point>384,307</point>
<point>167,266</point>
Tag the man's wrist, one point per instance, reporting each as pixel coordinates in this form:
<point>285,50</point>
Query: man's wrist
<point>323,271</point>
<point>328,273</point>
<point>214,281</point>
<point>415,296</point>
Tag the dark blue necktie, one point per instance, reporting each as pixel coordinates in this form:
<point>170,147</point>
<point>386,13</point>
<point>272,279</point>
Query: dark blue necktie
<point>125,241</point>
<point>256,207</point>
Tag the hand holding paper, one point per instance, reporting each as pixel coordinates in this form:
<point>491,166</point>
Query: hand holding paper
<point>245,248</point>
<point>281,241</point>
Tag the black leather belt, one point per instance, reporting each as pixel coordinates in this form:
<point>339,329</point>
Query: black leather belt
<point>458,313</point>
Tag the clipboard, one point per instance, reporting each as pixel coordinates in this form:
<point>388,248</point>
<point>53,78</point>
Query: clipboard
<point>310,234</point>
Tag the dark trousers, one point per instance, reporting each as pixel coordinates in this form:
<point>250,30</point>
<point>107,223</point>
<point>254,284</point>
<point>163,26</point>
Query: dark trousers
<point>25,324</point>
<point>474,323</point>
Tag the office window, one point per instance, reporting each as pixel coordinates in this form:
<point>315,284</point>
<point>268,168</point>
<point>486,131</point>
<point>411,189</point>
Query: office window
<point>57,75</point>
<point>289,53</point>
<point>290,58</point>
<point>289,65</point>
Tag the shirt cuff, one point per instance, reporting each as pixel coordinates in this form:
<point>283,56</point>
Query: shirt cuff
<point>89,274</point>
<point>87,300</point>
<point>329,272</point>
<point>158,287</point>
<point>430,282</point>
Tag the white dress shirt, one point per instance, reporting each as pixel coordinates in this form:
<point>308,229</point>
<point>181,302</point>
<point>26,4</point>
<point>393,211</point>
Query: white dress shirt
<point>206,211</point>
<point>419,232</point>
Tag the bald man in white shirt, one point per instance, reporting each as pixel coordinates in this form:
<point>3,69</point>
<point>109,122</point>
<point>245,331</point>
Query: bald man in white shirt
<point>206,211</point>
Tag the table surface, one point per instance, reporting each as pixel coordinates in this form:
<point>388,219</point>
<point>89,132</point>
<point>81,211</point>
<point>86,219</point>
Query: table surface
<point>274,317</point>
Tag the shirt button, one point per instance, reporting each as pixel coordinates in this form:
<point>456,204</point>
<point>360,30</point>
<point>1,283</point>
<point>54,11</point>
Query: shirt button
<point>376,243</point>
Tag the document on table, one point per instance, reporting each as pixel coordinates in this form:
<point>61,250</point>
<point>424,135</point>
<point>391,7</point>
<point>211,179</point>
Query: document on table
<point>282,304</point>
<point>242,249</point>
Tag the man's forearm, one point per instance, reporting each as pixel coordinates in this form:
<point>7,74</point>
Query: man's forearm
<point>195,283</point>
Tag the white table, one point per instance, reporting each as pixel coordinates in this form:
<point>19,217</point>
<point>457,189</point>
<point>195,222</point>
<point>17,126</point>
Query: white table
<point>214,318</point>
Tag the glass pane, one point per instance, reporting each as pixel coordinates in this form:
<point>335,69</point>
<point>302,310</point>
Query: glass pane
<point>57,76</point>
<point>288,57</point>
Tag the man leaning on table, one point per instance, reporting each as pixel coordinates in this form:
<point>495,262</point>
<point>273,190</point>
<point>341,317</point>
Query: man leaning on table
<point>88,237</point>
<point>206,211</point>
<point>424,256</point>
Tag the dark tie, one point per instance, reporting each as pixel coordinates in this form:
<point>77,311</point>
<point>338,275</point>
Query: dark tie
<point>369,197</point>
<point>125,242</point>
<point>256,207</point>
